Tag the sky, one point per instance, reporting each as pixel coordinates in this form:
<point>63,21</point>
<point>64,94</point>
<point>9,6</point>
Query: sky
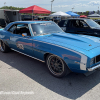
<point>57,5</point>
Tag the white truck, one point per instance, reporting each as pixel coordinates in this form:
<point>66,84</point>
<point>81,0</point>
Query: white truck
<point>7,16</point>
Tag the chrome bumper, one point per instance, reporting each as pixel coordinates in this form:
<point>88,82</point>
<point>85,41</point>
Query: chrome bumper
<point>93,68</point>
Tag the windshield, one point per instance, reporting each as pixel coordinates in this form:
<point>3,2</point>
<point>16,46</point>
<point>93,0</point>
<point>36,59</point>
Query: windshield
<point>45,28</point>
<point>92,23</point>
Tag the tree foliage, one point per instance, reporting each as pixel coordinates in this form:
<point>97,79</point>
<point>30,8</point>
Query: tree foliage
<point>17,8</point>
<point>11,7</point>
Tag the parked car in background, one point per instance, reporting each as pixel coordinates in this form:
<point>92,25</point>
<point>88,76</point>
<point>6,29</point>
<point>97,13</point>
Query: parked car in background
<point>80,26</point>
<point>45,41</point>
<point>26,17</point>
<point>46,18</point>
<point>97,21</point>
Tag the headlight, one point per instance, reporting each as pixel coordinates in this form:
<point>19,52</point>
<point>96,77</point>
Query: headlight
<point>92,61</point>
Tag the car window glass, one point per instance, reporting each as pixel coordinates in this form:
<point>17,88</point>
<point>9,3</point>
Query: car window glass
<point>71,23</point>
<point>45,28</point>
<point>12,29</point>
<point>83,24</point>
<point>79,24</point>
<point>74,23</point>
<point>20,29</point>
<point>61,23</point>
<point>92,23</point>
<point>65,23</point>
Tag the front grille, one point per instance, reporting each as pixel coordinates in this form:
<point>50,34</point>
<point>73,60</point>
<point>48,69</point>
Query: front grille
<point>97,59</point>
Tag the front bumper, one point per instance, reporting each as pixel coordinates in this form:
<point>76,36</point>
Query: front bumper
<point>94,67</point>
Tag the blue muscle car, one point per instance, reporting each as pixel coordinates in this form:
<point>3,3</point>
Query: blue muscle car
<point>45,41</point>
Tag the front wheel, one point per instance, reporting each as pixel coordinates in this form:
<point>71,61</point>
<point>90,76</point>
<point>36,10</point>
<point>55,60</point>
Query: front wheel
<point>57,66</point>
<point>3,47</point>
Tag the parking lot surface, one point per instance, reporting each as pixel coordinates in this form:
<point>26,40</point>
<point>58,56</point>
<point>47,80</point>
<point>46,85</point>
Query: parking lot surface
<point>24,78</point>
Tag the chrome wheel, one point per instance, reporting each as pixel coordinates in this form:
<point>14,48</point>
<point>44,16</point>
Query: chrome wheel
<point>3,47</point>
<point>55,65</point>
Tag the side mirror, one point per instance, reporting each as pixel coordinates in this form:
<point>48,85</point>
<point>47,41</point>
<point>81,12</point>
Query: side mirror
<point>24,34</point>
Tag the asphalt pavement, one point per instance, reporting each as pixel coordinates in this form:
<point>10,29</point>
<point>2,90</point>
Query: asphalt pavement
<point>24,78</point>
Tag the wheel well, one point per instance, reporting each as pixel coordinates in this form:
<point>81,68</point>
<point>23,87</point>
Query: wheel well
<point>65,68</point>
<point>5,43</point>
<point>45,56</point>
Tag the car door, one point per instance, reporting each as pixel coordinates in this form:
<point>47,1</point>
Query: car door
<point>83,28</point>
<point>71,27</point>
<point>21,39</point>
<point>80,27</point>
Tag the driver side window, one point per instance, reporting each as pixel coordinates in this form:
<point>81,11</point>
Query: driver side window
<point>20,29</point>
<point>65,23</point>
<point>84,24</point>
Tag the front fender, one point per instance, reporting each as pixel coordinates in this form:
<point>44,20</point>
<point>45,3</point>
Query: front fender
<point>73,59</point>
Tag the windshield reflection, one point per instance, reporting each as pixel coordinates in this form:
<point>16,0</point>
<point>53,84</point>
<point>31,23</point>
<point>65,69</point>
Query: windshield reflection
<point>45,28</point>
<point>92,23</point>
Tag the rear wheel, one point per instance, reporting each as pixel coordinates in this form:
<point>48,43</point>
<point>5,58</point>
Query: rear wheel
<point>57,66</point>
<point>3,47</point>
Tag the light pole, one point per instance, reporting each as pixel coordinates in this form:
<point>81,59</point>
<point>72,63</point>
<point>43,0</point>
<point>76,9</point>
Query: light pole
<point>4,4</point>
<point>72,9</point>
<point>51,5</point>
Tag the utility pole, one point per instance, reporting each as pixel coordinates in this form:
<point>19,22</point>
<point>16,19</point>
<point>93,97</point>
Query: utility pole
<point>51,5</point>
<point>4,5</point>
<point>72,9</point>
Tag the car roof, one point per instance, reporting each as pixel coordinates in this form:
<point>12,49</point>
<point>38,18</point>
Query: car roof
<point>77,19</point>
<point>30,22</point>
<point>97,20</point>
<point>24,22</point>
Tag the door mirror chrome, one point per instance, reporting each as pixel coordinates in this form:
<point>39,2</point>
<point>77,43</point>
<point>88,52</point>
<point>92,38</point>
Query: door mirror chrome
<point>24,34</point>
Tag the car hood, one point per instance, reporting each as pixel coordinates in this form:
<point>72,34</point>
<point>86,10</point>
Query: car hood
<point>71,40</point>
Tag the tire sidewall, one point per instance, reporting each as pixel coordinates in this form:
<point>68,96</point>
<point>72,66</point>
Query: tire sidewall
<point>5,49</point>
<point>65,68</point>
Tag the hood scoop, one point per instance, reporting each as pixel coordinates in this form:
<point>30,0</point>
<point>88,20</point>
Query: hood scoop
<point>72,40</point>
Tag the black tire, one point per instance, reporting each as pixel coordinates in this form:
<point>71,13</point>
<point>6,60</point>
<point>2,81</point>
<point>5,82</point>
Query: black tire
<point>3,47</point>
<point>57,66</point>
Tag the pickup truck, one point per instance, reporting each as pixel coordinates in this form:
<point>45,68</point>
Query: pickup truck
<point>80,26</point>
